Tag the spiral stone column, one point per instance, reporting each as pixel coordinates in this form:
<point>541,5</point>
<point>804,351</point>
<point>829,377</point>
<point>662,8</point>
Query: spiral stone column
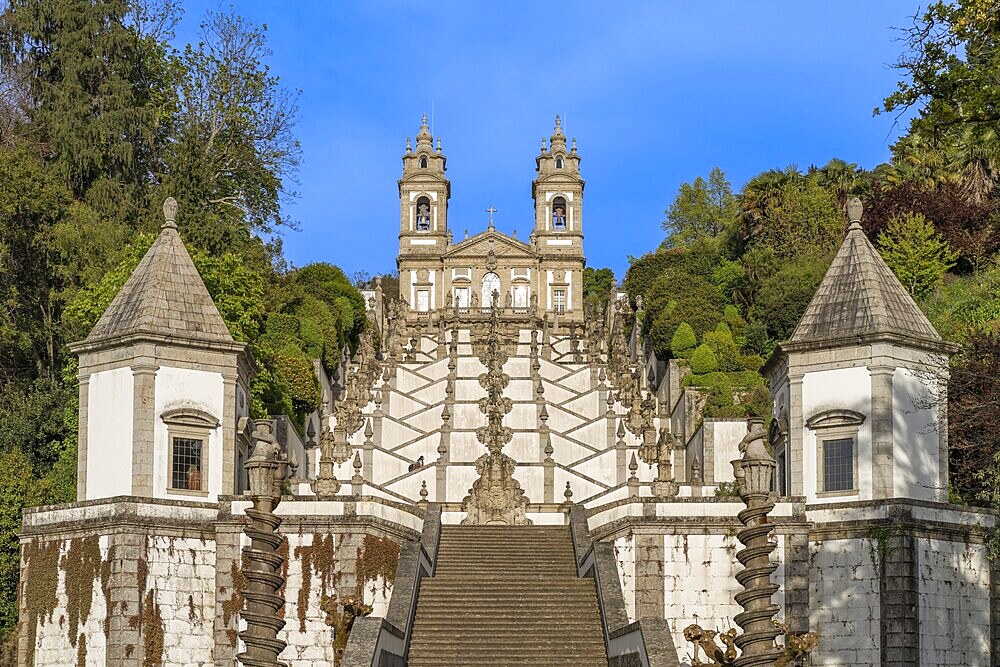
<point>754,473</point>
<point>266,468</point>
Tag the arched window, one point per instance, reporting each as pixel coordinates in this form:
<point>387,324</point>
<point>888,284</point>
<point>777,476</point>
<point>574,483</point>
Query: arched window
<point>423,161</point>
<point>423,214</point>
<point>559,162</point>
<point>559,213</point>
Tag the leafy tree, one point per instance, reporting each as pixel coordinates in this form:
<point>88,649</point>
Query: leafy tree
<point>701,210</point>
<point>803,220</point>
<point>598,285</point>
<point>962,305</point>
<point>234,155</point>
<point>915,252</point>
<point>784,296</point>
<point>969,228</point>
<point>950,70</point>
<point>684,341</point>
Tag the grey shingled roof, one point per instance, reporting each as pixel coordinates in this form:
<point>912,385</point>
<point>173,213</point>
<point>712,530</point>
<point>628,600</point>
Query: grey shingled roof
<point>860,296</point>
<point>164,296</point>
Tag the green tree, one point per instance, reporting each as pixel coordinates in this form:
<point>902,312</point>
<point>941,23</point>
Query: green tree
<point>701,210</point>
<point>598,285</point>
<point>99,89</point>
<point>916,253</point>
<point>234,155</point>
<point>804,220</point>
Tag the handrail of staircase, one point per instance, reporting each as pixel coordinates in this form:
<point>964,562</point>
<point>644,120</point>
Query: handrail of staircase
<point>646,642</point>
<point>383,642</point>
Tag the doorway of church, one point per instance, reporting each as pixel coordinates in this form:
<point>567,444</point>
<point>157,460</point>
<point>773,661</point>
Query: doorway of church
<point>491,284</point>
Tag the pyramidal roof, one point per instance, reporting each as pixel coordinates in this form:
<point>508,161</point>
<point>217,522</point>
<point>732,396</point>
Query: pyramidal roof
<point>860,297</point>
<point>164,297</point>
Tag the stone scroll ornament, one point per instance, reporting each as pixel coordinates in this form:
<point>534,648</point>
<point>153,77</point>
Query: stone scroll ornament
<point>496,497</point>
<point>267,468</point>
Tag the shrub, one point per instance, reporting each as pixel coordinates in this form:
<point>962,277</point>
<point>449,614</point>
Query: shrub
<point>703,360</point>
<point>684,341</point>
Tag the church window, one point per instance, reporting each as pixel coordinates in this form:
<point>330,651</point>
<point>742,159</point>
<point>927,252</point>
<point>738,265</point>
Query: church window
<point>559,213</point>
<point>423,214</point>
<point>559,300</point>
<point>462,297</point>
<point>423,300</point>
<point>559,162</point>
<point>520,296</point>
<point>423,161</point>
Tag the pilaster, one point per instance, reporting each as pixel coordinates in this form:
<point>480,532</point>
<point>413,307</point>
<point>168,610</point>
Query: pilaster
<point>882,422</point>
<point>81,438</point>
<point>649,591</point>
<point>229,471</point>
<point>899,595</point>
<point>143,421</point>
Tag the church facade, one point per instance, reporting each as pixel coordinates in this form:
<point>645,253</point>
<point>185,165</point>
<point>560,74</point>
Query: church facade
<point>542,276</point>
<point>522,411</point>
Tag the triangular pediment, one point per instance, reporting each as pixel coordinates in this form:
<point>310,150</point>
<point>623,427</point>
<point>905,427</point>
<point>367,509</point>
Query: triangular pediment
<point>501,244</point>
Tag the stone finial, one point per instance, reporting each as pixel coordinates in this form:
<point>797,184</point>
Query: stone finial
<point>169,213</point>
<point>854,210</point>
<point>409,147</point>
<point>545,146</point>
<point>633,467</point>
<point>621,430</point>
<point>357,464</point>
<point>438,149</point>
<point>423,492</point>
<point>696,478</point>
<point>311,434</point>
<point>573,148</point>
<point>568,494</point>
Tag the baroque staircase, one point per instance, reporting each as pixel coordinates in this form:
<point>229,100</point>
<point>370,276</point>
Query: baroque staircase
<point>506,595</point>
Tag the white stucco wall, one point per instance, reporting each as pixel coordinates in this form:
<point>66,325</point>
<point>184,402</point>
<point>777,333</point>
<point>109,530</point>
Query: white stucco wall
<point>915,437</point>
<point>844,603</point>
<point>954,603</point>
<point>109,433</point>
<point>843,388</point>
<point>180,387</point>
<point>182,581</point>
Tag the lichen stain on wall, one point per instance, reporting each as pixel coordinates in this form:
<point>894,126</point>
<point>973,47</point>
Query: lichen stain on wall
<point>318,558</point>
<point>377,557</point>
<point>41,568</point>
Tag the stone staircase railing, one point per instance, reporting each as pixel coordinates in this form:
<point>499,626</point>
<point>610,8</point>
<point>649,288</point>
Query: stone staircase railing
<point>383,642</point>
<point>645,642</point>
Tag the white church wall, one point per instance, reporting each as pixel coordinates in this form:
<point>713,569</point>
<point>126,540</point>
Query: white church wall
<point>181,387</point>
<point>844,603</point>
<point>954,603</point>
<point>843,388</point>
<point>724,436</point>
<point>109,433</point>
<point>915,437</point>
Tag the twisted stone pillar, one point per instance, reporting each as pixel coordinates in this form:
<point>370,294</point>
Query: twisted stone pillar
<point>267,467</point>
<point>754,473</point>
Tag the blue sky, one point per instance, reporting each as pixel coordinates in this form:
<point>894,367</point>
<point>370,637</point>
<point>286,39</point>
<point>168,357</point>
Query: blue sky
<point>657,93</point>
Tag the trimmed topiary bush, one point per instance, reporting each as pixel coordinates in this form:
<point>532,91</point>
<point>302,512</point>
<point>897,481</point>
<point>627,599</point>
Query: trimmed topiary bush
<point>703,360</point>
<point>684,341</point>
